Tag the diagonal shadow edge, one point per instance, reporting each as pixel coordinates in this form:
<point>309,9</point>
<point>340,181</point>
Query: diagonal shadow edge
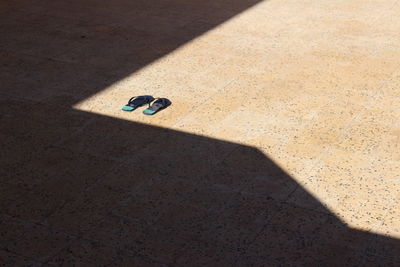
<point>171,186</point>
<point>92,48</point>
<point>83,174</point>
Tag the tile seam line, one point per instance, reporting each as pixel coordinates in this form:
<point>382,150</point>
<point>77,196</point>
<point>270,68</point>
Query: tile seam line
<point>344,135</point>
<point>220,126</point>
<point>74,237</point>
<point>344,132</point>
<point>378,17</point>
<point>222,87</point>
<point>198,106</point>
<point>327,151</point>
<point>59,143</point>
<point>311,122</point>
<point>281,203</point>
<point>32,55</point>
<point>118,161</point>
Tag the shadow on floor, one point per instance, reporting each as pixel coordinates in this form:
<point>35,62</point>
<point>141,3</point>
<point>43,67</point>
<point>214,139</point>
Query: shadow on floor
<point>138,194</point>
<point>74,49</point>
<point>78,188</point>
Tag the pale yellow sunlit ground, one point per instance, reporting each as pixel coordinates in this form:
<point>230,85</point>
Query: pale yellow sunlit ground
<point>315,85</point>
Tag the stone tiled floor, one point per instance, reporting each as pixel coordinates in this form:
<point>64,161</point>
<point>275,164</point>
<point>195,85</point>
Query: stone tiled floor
<point>281,146</point>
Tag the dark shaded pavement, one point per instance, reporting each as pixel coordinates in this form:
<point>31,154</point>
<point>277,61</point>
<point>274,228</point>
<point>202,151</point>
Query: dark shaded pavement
<point>83,189</point>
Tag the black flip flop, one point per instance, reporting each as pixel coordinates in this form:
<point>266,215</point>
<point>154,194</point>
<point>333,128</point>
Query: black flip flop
<point>159,104</point>
<point>137,101</point>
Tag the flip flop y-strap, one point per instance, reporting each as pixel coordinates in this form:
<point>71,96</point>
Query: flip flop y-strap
<point>159,104</point>
<point>137,101</point>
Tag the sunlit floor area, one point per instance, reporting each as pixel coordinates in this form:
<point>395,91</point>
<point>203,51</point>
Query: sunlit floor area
<point>281,146</point>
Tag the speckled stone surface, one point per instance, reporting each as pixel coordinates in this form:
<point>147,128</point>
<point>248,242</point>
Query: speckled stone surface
<point>281,147</point>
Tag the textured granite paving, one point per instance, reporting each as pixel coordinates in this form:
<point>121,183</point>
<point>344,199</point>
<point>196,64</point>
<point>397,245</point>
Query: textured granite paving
<point>281,147</point>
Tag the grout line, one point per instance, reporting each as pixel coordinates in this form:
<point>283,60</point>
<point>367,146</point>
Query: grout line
<point>24,54</point>
<point>202,102</point>
<point>373,20</point>
<point>344,133</point>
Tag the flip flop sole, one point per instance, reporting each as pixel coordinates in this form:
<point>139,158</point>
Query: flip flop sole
<point>149,112</point>
<point>157,106</point>
<point>128,108</point>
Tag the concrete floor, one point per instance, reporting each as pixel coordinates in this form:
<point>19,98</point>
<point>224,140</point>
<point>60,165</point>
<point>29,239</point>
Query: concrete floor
<point>281,147</point>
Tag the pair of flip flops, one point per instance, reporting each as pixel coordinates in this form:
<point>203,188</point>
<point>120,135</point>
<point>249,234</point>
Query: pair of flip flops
<point>138,101</point>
